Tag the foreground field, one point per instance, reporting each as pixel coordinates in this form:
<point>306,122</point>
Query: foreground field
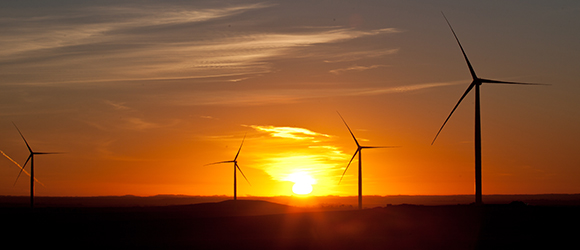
<point>251,224</point>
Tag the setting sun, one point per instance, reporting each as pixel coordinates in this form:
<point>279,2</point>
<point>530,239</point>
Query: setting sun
<point>302,183</point>
<point>301,188</point>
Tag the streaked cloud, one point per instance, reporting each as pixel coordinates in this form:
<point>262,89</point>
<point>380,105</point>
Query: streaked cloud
<point>117,105</point>
<point>356,68</point>
<point>135,123</point>
<point>363,54</point>
<point>282,166</point>
<point>115,43</point>
<point>277,96</point>
<point>208,117</point>
<point>57,30</point>
<point>405,88</point>
<point>289,132</point>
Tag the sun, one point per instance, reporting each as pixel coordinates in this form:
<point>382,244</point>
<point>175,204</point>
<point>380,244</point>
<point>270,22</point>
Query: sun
<point>302,188</point>
<point>302,183</point>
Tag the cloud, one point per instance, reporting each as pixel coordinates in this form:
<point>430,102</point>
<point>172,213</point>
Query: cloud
<point>289,132</point>
<point>134,123</point>
<point>358,55</point>
<point>208,117</point>
<point>284,165</point>
<point>405,88</point>
<point>113,43</point>
<point>110,43</point>
<point>117,105</point>
<point>99,24</point>
<point>356,68</point>
<point>284,96</point>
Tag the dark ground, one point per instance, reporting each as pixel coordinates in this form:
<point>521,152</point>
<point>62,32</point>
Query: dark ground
<point>251,224</point>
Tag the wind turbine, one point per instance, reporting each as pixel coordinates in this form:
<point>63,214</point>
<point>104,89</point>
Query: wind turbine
<point>359,152</point>
<point>476,82</point>
<point>31,159</point>
<point>236,167</point>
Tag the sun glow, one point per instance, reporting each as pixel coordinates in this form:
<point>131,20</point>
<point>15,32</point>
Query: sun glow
<point>302,183</point>
<point>302,188</point>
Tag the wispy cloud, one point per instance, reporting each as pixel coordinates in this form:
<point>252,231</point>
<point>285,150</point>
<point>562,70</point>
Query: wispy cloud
<point>112,43</point>
<point>208,117</point>
<point>289,132</point>
<point>138,124</point>
<point>405,88</point>
<point>356,68</point>
<point>278,96</point>
<point>151,42</point>
<point>99,24</point>
<point>358,55</point>
<point>117,105</point>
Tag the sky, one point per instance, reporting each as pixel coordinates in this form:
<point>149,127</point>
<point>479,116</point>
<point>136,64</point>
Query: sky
<point>139,96</point>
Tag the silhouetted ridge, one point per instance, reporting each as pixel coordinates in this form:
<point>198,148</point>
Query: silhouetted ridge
<point>231,208</point>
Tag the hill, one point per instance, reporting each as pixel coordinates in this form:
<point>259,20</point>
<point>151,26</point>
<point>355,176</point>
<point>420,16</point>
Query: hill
<point>258,224</point>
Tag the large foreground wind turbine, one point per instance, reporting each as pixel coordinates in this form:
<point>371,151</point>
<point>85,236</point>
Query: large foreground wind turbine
<point>236,167</point>
<point>31,159</point>
<point>474,84</point>
<point>359,152</point>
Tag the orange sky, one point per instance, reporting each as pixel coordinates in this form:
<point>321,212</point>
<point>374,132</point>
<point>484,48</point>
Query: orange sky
<point>140,96</point>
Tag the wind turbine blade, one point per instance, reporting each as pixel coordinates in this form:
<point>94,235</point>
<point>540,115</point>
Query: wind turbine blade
<point>507,82</point>
<point>238,167</point>
<point>13,161</point>
<point>380,147</point>
<point>353,137</point>
<point>28,146</point>
<point>219,162</point>
<point>235,158</point>
<point>454,108</point>
<point>473,75</point>
<point>22,169</point>
<point>347,165</point>
<point>47,153</point>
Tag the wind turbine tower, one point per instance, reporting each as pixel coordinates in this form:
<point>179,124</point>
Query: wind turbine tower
<point>31,159</point>
<point>475,84</point>
<point>359,152</point>
<point>236,168</point>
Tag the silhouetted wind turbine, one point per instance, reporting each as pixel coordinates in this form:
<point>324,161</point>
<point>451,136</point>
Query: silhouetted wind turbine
<point>474,84</point>
<point>31,159</point>
<point>359,152</point>
<point>235,161</point>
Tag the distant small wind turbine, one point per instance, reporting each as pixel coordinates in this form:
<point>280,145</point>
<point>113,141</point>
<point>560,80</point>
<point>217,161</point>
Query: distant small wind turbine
<point>359,152</point>
<point>31,159</point>
<point>235,161</point>
<point>474,84</point>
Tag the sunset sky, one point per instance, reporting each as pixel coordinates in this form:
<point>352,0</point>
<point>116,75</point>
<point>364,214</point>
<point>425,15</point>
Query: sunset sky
<point>139,96</point>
